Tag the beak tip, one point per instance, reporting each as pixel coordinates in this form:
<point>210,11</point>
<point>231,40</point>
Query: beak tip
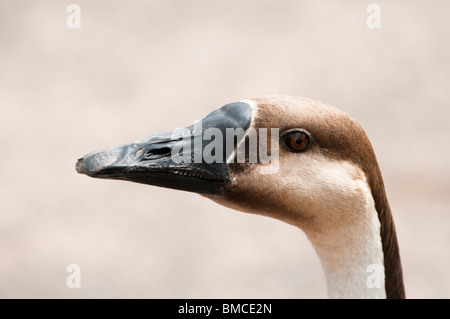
<point>81,167</point>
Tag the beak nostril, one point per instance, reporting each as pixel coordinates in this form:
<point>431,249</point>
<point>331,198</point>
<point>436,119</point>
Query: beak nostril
<point>158,153</point>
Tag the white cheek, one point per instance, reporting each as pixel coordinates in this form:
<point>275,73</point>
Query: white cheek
<point>325,181</point>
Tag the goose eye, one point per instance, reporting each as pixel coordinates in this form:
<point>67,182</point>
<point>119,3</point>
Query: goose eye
<point>296,141</point>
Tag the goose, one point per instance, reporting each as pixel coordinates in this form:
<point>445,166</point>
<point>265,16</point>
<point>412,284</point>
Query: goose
<point>326,181</point>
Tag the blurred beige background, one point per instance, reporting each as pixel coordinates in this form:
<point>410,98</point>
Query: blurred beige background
<point>141,67</point>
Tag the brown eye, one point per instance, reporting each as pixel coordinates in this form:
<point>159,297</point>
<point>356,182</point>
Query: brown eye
<point>296,140</point>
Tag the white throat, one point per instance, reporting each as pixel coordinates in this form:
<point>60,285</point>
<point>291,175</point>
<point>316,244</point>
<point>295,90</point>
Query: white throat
<point>352,256</point>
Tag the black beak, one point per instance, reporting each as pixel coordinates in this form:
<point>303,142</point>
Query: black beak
<point>192,159</point>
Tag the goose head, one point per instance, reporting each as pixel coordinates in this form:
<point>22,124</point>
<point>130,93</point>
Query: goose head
<point>301,161</point>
